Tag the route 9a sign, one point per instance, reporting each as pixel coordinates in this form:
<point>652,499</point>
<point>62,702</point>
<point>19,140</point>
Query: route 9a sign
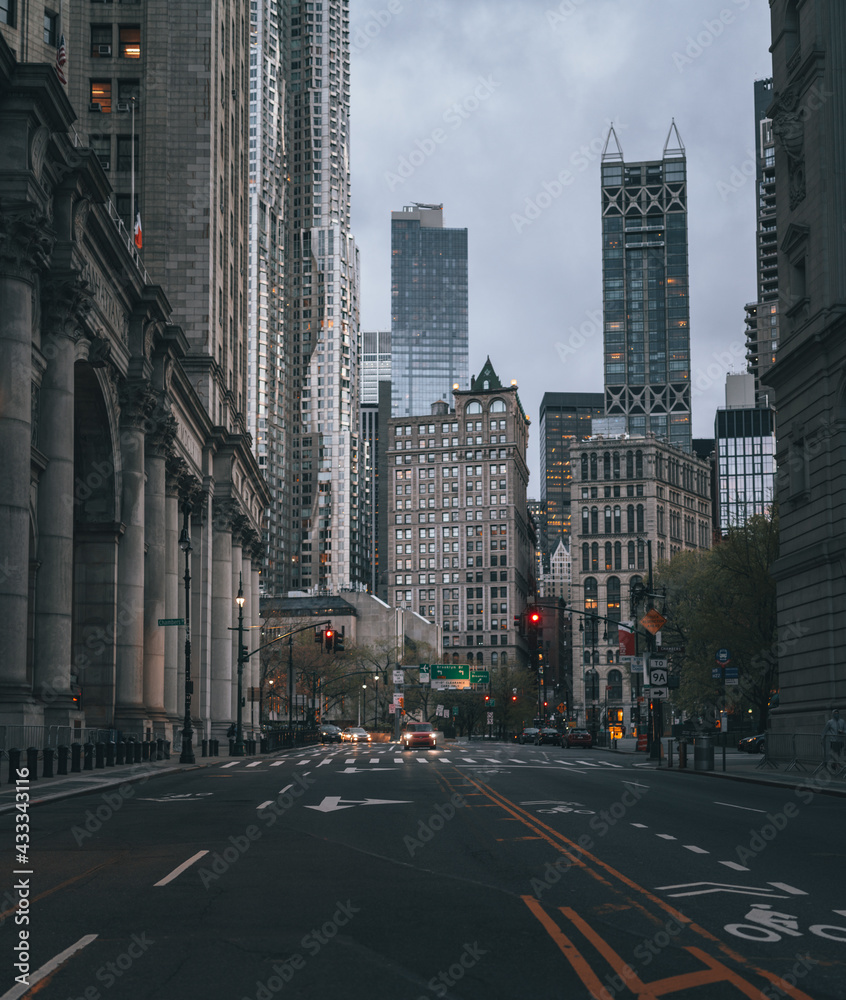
<point>657,672</point>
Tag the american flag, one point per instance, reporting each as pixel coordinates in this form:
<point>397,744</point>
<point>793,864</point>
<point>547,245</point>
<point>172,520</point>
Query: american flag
<point>61,60</point>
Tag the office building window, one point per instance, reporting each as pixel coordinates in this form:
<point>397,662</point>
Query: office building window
<point>51,28</point>
<point>130,41</point>
<point>101,93</point>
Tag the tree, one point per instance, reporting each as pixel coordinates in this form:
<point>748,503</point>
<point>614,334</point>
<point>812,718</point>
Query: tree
<point>725,598</point>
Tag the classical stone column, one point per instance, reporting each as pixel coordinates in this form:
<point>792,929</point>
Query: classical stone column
<point>161,431</point>
<point>237,579</point>
<point>137,403</point>
<point>223,600</point>
<point>65,304</point>
<point>174,638</point>
<point>252,567</point>
<point>25,243</point>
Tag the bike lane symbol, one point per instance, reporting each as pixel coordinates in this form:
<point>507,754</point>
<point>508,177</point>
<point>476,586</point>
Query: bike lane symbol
<point>767,924</point>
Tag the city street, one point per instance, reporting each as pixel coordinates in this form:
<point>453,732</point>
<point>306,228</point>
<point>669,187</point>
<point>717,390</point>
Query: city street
<point>480,870</point>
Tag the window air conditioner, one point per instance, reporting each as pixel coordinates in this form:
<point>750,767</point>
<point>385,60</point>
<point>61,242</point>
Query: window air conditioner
<point>123,106</point>
<point>104,50</point>
<point>94,106</point>
<point>105,162</point>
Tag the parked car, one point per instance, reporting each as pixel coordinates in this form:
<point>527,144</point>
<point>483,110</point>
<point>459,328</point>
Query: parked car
<point>753,744</point>
<point>528,735</point>
<point>330,734</point>
<point>579,738</point>
<point>548,735</point>
<point>418,734</point>
<point>353,734</point>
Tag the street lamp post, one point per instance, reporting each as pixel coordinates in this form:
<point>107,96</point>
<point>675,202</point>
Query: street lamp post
<point>187,755</point>
<point>375,702</point>
<point>238,749</point>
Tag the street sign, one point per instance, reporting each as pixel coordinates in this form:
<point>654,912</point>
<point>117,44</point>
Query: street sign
<point>171,621</point>
<point>716,673</point>
<point>479,676</point>
<point>399,677</point>
<point>659,692</point>
<point>490,718</point>
<point>657,672</point>
<point>723,657</point>
<point>653,621</point>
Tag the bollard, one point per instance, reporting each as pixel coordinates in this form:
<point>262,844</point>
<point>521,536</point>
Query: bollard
<point>137,752</point>
<point>669,753</point>
<point>167,749</point>
<point>204,748</point>
<point>14,764</point>
<point>110,753</point>
<point>62,754</point>
<point>48,762</point>
<point>32,762</point>
<point>100,755</point>
<point>682,755</point>
<point>160,749</point>
<point>76,757</point>
<point>215,748</point>
<point>120,753</point>
<point>88,757</point>
<point>145,750</point>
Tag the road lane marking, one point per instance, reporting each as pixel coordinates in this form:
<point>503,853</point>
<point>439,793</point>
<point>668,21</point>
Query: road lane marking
<point>48,967</point>
<point>788,888</point>
<point>731,805</point>
<point>712,887</point>
<point>180,869</point>
<point>327,761</point>
<point>264,805</point>
<point>695,849</point>
<point>277,763</point>
<point>665,836</point>
<point>640,826</point>
<point>233,763</point>
<point>286,788</point>
<point>735,866</point>
<point>422,760</point>
<point>255,763</point>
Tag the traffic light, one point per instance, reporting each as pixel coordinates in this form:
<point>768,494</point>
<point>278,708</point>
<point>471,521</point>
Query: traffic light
<point>329,639</point>
<point>487,699</point>
<point>245,654</point>
<point>318,637</point>
<point>513,698</point>
<point>534,618</point>
<point>339,641</point>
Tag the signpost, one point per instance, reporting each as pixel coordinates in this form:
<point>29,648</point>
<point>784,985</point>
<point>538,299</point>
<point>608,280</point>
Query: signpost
<point>452,676</point>
<point>171,621</point>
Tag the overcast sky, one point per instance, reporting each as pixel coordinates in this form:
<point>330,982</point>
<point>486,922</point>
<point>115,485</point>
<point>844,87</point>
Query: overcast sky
<point>487,105</point>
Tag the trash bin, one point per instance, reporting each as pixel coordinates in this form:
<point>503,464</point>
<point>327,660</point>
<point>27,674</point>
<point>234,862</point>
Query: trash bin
<point>703,754</point>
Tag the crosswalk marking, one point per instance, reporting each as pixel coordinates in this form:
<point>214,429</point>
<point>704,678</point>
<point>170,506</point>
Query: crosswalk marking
<point>422,760</point>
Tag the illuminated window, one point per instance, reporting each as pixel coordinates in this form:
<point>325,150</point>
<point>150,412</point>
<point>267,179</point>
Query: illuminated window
<point>101,93</point>
<point>130,41</point>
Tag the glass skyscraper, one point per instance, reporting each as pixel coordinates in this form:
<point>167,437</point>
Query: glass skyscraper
<point>429,330</point>
<point>645,291</point>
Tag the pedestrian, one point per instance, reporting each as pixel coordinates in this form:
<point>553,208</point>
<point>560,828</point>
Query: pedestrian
<point>231,731</point>
<point>833,735</point>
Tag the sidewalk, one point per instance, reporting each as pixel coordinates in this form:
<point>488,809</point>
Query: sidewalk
<point>738,767</point>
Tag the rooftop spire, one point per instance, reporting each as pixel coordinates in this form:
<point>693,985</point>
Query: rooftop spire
<point>678,149</point>
<point>612,155</point>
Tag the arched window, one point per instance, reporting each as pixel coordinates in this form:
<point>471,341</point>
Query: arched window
<point>594,556</point>
<point>630,519</point>
<point>609,655</point>
<point>629,465</point>
<point>615,685</point>
<point>585,557</point>
<point>639,465</point>
<point>792,38</point>
<point>616,465</point>
<point>504,658</point>
<point>631,555</point>
<point>607,521</point>
<point>591,595</point>
<point>498,406</point>
<point>474,407</point>
<point>494,657</point>
<point>640,517</point>
<point>617,527</point>
<point>585,521</point>
<point>593,465</point>
<point>606,465</point>
<point>608,551</point>
<point>594,520</point>
<point>584,468</point>
<point>455,657</point>
<point>618,555</point>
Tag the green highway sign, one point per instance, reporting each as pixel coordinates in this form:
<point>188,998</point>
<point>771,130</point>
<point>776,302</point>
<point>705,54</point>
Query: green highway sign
<point>171,621</point>
<point>479,676</point>
<point>452,675</point>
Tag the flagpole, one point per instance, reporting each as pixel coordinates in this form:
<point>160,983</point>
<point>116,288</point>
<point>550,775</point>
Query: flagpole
<point>132,172</point>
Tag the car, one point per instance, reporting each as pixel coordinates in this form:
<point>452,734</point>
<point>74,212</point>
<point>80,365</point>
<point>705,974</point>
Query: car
<point>330,734</point>
<point>528,735</point>
<point>753,744</point>
<point>418,734</point>
<point>548,735</point>
<point>579,738</point>
<point>353,734</point>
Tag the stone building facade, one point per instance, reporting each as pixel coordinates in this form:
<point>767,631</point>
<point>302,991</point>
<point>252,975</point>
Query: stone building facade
<point>460,543</point>
<point>634,500</point>
<point>809,375</point>
<point>105,437</point>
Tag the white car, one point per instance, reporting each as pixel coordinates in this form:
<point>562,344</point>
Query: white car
<point>355,735</point>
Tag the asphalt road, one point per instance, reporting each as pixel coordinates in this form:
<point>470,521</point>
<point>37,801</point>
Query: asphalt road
<point>486,870</point>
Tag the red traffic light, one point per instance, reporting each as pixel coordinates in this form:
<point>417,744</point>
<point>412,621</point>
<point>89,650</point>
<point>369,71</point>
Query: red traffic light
<point>534,617</point>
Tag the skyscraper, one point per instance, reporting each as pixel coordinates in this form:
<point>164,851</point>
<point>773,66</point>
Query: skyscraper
<point>645,291</point>
<point>429,331</point>
<point>321,316</point>
<point>762,315</point>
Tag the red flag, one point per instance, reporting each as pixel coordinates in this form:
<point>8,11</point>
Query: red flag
<point>138,239</point>
<point>61,60</point>
<point>626,637</point>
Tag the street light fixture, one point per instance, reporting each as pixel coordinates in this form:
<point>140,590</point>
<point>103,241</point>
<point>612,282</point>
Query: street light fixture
<point>187,755</point>
<point>238,749</point>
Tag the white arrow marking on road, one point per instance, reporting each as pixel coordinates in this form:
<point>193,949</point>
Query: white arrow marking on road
<point>332,803</point>
<point>365,770</point>
<point>788,888</point>
<point>719,887</point>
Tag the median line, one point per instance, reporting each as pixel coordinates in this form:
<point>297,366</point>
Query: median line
<point>47,968</point>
